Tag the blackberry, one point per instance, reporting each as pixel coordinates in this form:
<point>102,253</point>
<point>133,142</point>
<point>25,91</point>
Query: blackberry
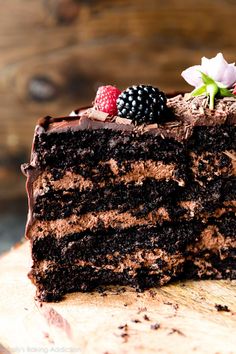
<point>142,104</point>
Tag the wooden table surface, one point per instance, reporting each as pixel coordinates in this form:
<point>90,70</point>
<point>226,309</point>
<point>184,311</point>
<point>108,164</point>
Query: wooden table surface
<point>186,317</point>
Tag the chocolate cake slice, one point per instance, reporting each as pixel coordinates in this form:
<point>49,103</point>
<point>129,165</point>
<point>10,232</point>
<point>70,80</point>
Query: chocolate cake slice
<point>113,202</point>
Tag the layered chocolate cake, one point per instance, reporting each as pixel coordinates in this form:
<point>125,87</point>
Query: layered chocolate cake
<point>116,198</point>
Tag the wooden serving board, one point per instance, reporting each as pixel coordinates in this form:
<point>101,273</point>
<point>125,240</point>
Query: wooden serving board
<point>178,318</point>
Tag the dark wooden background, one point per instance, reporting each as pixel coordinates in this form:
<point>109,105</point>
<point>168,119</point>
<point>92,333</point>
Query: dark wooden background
<point>55,53</point>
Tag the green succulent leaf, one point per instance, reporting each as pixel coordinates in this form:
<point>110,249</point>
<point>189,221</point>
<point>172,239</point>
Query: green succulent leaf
<point>211,88</point>
<point>199,91</point>
<point>207,79</point>
<point>224,92</point>
<point>219,84</point>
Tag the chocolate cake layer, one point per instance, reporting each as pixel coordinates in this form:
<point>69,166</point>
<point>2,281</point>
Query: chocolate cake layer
<point>50,286</point>
<point>60,204</point>
<point>108,143</point>
<point>205,200</point>
<point>205,166</point>
<point>115,203</point>
<point>89,244</point>
<point>72,147</point>
<point>195,201</point>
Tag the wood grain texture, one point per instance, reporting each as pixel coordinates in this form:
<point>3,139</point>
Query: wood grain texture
<point>178,318</point>
<point>55,53</point>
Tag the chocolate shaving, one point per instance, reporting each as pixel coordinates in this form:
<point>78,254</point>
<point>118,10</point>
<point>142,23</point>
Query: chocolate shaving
<point>97,115</point>
<point>230,155</point>
<point>195,110</point>
<point>173,124</point>
<point>150,127</point>
<point>187,131</point>
<point>222,308</point>
<point>121,120</point>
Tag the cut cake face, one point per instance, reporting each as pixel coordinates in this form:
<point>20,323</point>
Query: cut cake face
<point>128,201</point>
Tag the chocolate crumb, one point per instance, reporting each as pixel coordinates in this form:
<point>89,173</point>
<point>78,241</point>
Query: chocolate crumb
<point>125,327</point>
<point>168,303</point>
<point>125,333</point>
<point>155,326</point>
<point>146,318</point>
<point>152,293</point>
<point>175,307</point>
<point>103,294</point>
<point>100,290</point>
<point>136,321</point>
<point>142,309</point>
<point>47,336</point>
<point>125,336</point>
<point>222,308</point>
<point>176,330</point>
<point>120,291</point>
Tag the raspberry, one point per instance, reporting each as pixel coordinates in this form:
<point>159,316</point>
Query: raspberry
<point>105,99</point>
<point>142,104</point>
<point>234,90</point>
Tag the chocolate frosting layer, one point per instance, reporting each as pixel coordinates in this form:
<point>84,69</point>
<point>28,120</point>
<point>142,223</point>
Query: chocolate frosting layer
<point>185,112</point>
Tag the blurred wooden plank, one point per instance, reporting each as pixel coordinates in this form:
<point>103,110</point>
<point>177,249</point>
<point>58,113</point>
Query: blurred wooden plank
<point>122,43</point>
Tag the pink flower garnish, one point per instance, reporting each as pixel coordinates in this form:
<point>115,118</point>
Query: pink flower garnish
<point>217,68</point>
<point>212,78</point>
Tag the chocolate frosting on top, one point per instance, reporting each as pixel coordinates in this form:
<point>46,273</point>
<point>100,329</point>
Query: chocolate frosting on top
<point>195,110</point>
<point>185,112</point>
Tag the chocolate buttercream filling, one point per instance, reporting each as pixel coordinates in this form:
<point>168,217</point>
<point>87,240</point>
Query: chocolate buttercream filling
<point>212,239</point>
<point>90,221</point>
<point>192,208</point>
<point>138,172</point>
